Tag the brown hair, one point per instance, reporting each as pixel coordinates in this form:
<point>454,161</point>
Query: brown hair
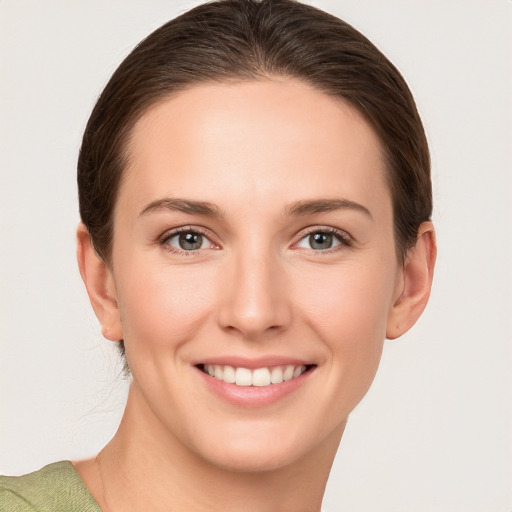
<point>251,39</point>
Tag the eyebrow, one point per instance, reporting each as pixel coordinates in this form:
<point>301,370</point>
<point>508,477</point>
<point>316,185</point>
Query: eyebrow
<point>182,205</point>
<point>325,205</point>
<point>306,207</point>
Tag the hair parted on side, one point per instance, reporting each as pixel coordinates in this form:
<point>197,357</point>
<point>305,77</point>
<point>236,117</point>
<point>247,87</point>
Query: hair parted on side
<point>255,39</point>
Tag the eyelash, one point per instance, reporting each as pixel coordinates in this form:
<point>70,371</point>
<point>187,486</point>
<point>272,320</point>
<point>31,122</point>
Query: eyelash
<point>344,239</point>
<point>163,241</point>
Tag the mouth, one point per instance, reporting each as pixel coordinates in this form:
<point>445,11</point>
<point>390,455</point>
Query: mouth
<point>256,377</point>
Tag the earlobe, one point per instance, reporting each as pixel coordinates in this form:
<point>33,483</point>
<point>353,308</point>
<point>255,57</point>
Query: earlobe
<point>99,282</point>
<point>418,271</point>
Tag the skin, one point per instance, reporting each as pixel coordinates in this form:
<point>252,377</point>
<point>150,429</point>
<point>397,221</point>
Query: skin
<point>256,152</point>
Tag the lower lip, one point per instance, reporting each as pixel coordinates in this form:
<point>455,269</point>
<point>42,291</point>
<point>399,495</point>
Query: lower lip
<point>254,396</point>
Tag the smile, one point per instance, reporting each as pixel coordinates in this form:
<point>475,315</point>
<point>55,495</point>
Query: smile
<point>259,377</point>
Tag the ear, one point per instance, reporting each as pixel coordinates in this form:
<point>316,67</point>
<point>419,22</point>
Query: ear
<point>99,281</point>
<point>414,292</point>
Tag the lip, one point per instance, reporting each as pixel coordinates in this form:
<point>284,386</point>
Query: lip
<point>254,396</point>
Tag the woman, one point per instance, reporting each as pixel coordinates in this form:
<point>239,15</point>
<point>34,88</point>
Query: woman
<point>255,199</point>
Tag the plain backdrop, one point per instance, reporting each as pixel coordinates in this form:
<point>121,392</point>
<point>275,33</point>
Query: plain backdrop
<point>435,432</point>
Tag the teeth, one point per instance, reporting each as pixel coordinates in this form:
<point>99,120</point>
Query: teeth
<point>257,377</point>
<point>298,371</point>
<point>229,375</point>
<point>261,377</point>
<point>243,377</point>
<point>288,372</point>
<point>276,375</point>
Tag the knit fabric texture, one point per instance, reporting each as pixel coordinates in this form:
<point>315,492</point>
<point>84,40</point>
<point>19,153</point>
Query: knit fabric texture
<point>54,488</point>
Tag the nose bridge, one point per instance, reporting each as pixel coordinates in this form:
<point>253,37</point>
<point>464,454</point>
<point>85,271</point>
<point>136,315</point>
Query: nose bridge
<point>254,299</point>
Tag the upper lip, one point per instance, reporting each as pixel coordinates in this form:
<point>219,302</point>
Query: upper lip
<point>252,363</point>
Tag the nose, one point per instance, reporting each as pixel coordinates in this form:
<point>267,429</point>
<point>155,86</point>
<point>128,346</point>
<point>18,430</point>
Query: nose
<point>254,302</point>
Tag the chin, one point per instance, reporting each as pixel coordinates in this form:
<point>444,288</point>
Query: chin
<point>262,450</point>
<point>251,460</point>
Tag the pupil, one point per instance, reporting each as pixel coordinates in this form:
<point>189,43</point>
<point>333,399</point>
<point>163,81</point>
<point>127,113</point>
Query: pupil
<point>190,241</point>
<point>320,241</point>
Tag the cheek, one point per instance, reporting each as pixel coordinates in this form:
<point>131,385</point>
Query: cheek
<point>348,309</point>
<point>350,320</point>
<point>163,306</point>
<point>347,302</point>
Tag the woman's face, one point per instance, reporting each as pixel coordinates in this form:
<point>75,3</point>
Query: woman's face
<point>254,240</point>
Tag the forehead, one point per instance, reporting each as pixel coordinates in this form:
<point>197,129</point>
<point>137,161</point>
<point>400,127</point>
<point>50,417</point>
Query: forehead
<point>256,140</point>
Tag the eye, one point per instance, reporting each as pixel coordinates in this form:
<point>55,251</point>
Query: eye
<point>187,240</point>
<point>323,240</point>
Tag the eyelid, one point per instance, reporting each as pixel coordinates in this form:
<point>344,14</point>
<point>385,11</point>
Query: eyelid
<point>186,229</point>
<point>345,239</point>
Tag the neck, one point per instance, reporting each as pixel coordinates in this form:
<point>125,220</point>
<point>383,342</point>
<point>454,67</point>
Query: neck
<point>144,467</point>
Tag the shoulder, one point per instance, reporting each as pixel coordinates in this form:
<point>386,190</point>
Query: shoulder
<point>10,501</point>
<point>54,488</point>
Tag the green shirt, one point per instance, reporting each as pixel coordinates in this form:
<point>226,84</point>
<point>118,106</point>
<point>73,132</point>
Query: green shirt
<point>54,488</point>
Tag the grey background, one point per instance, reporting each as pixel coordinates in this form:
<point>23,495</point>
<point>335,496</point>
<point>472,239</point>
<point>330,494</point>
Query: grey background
<point>434,433</point>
